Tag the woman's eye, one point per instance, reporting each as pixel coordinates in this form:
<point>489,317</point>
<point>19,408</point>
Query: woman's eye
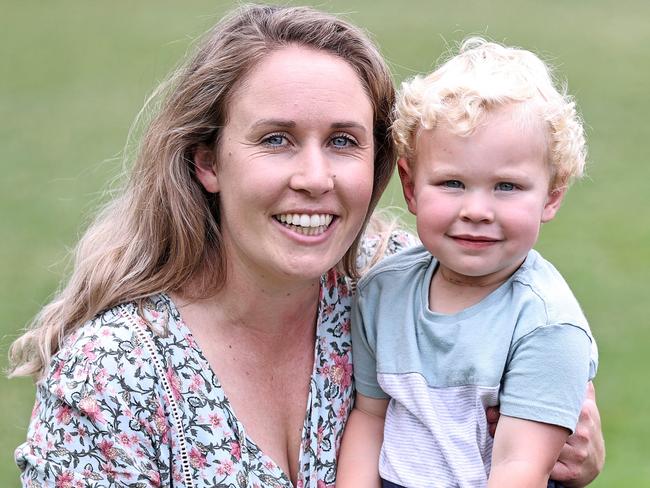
<point>453,184</point>
<point>505,186</point>
<point>342,141</point>
<point>275,140</point>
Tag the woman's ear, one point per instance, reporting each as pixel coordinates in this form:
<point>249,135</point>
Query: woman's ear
<point>406,177</point>
<point>205,168</point>
<point>553,202</point>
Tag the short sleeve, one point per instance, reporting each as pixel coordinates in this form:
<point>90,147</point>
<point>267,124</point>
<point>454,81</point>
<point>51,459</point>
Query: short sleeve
<point>97,421</point>
<point>546,375</point>
<point>363,351</point>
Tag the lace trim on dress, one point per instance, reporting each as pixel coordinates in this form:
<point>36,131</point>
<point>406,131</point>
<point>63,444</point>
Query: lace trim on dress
<point>145,338</point>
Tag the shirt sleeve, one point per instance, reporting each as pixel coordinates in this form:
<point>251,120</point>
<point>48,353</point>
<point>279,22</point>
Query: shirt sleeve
<point>363,351</point>
<point>546,375</point>
<point>97,421</point>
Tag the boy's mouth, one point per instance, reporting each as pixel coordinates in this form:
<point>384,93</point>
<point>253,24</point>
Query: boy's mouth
<point>465,237</point>
<point>474,242</point>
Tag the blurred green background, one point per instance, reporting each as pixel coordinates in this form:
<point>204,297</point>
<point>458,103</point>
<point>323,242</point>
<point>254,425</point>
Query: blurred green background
<point>75,74</point>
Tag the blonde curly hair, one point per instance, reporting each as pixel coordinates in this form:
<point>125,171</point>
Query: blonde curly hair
<point>482,76</point>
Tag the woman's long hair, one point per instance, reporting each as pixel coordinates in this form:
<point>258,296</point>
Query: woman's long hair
<point>163,231</point>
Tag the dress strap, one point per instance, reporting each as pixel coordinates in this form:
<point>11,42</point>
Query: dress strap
<point>144,335</point>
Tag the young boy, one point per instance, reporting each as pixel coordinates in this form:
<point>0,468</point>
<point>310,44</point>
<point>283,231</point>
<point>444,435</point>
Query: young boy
<point>474,317</point>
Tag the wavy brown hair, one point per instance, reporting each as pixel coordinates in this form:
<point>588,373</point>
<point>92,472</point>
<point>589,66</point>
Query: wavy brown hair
<point>163,230</point>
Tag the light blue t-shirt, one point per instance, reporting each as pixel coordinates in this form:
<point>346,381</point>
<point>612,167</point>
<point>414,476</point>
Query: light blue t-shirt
<point>526,346</point>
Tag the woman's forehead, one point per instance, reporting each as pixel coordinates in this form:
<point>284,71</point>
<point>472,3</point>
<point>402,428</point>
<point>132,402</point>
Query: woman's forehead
<point>299,82</point>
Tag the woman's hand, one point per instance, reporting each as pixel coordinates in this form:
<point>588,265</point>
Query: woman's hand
<point>492,414</point>
<point>582,457</point>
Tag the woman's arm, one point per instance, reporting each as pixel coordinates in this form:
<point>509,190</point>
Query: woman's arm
<point>358,462</point>
<point>524,453</point>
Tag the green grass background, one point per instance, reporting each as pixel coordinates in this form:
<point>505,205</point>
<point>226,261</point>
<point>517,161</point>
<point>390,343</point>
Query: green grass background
<point>74,75</point>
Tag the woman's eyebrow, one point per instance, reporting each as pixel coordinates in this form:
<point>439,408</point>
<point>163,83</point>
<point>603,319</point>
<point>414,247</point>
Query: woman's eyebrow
<point>347,125</point>
<point>288,124</point>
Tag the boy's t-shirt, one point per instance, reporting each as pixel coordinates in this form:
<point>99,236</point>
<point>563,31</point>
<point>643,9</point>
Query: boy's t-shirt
<point>526,346</point>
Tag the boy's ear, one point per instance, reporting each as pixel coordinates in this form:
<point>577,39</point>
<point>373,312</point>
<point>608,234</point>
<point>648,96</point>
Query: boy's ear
<point>406,176</point>
<point>204,166</point>
<point>553,202</point>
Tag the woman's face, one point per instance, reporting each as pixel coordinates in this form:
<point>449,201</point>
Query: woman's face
<point>294,167</point>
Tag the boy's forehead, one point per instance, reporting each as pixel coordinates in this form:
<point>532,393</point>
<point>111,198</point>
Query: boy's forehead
<point>516,118</point>
<point>505,133</point>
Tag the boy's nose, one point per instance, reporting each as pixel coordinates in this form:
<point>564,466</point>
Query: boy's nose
<point>313,174</point>
<point>477,207</point>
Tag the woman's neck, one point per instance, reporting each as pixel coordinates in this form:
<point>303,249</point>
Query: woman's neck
<point>267,307</point>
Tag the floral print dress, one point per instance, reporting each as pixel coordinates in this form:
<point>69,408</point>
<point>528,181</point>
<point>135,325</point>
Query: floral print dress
<point>103,419</point>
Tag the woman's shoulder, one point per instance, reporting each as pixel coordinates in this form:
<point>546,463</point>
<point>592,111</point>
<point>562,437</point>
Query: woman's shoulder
<point>110,330</point>
<point>106,353</point>
<point>106,333</point>
<point>376,246</point>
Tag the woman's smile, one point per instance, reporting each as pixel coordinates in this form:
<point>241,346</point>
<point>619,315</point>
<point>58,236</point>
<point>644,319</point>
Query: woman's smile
<point>305,224</point>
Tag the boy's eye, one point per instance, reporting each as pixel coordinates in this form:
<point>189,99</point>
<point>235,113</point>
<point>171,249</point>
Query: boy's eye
<point>505,186</point>
<point>453,184</point>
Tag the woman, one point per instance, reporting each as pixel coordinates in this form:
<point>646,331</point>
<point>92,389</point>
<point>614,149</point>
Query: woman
<point>209,303</point>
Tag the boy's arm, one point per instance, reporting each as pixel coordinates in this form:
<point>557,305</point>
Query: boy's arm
<point>583,456</point>
<point>358,462</point>
<point>524,453</point>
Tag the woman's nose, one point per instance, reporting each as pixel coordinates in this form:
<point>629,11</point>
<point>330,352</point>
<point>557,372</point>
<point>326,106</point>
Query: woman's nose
<point>477,207</point>
<point>313,173</point>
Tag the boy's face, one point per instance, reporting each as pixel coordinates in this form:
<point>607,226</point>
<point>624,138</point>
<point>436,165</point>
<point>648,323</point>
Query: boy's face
<point>479,200</point>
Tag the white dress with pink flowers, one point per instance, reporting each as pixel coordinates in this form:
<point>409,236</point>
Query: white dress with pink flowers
<point>103,419</point>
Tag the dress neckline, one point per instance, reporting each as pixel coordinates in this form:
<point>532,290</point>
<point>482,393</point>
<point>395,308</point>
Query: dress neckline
<point>185,334</point>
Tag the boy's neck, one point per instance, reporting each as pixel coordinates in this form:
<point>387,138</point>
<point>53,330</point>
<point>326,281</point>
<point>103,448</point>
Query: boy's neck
<point>450,293</point>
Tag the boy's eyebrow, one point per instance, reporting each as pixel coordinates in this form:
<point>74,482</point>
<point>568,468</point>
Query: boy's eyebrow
<point>450,171</point>
<point>513,175</point>
<point>446,170</point>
